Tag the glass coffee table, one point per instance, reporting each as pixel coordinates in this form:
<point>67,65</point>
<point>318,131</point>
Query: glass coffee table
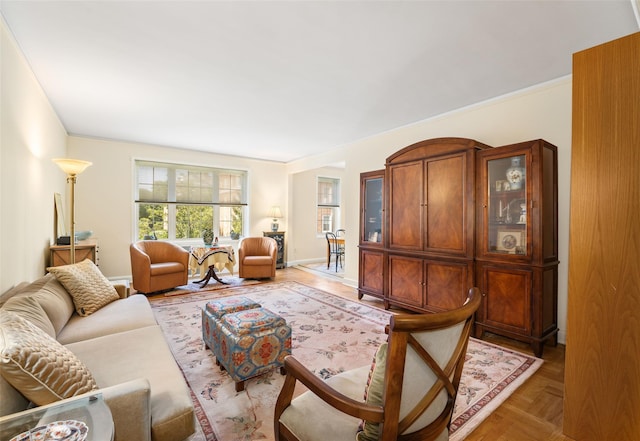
<point>86,418</point>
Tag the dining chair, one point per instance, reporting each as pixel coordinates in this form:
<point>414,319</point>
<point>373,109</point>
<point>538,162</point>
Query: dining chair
<point>334,249</point>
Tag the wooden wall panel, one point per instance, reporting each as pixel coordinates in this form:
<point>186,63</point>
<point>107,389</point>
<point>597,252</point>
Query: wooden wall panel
<point>602,377</point>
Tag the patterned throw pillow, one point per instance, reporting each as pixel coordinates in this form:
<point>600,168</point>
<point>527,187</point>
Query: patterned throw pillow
<point>373,393</point>
<point>37,365</point>
<point>88,287</point>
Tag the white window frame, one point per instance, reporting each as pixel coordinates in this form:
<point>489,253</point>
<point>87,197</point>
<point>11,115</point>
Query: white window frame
<point>332,204</point>
<point>172,203</point>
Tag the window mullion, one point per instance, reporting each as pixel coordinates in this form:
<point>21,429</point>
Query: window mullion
<point>171,197</point>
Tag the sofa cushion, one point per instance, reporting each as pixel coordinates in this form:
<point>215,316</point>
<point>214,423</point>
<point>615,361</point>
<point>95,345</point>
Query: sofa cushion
<point>122,315</point>
<point>29,308</point>
<point>143,353</point>
<point>53,297</point>
<point>37,365</point>
<point>90,289</point>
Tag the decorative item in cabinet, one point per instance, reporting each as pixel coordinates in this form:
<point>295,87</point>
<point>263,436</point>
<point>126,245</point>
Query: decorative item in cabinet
<point>371,258</point>
<point>279,237</point>
<point>517,242</point>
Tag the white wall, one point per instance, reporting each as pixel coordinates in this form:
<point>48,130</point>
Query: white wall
<point>104,192</point>
<point>304,244</point>
<point>543,111</point>
<point>30,135</point>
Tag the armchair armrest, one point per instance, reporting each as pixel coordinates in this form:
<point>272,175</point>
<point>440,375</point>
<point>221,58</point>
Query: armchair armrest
<point>297,372</point>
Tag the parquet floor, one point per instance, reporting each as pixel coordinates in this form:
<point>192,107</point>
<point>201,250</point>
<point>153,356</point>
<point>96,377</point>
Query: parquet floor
<point>532,413</point>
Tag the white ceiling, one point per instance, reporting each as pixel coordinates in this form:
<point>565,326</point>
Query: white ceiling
<point>282,80</point>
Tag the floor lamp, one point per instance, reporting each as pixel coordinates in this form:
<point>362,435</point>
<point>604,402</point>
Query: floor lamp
<point>72,167</point>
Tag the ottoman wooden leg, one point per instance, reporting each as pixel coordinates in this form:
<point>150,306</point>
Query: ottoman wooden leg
<point>239,386</point>
<point>283,370</point>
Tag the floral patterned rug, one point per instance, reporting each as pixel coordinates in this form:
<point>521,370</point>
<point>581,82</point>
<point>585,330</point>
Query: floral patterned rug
<point>193,286</point>
<point>330,335</point>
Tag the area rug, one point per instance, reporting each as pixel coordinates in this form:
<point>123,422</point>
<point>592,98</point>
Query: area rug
<point>321,268</point>
<point>330,335</point>
<point>193,287</point>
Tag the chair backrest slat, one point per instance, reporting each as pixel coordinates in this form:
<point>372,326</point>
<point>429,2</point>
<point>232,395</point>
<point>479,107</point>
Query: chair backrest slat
<point>421,383</point>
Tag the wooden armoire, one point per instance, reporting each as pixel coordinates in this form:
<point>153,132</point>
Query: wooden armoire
<point>602,368</point>
<point>448,214</point>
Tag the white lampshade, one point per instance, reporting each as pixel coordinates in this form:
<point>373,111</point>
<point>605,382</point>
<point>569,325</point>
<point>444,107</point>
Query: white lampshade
<point>72,166</point>
<point>275,212</point>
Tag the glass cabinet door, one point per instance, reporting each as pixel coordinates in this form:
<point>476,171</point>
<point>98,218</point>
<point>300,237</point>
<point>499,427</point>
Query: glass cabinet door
<point>372,215</point>
<point>507,217</point>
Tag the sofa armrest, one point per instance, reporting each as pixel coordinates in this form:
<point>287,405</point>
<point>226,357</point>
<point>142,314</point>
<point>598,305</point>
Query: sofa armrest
<point>122,290</point>
<point>129,403</point>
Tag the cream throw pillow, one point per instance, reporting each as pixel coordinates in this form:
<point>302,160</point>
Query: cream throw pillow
<point>88,287</point>
<point>37,365</point>
<point>373,393</point>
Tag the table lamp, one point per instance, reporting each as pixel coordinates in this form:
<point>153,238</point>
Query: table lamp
<point>275,213</point>
<point>72,167</point>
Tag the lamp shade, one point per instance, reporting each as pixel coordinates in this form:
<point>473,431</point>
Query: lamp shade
<point>72,166</point>
<point>275,212</point>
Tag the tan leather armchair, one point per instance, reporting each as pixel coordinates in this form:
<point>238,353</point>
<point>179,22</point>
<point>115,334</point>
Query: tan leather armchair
<point>257,257</point>
<point>157,265</point>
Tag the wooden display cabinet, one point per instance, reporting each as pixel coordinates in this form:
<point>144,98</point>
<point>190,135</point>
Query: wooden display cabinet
<point>371,256</point>
<point>517,242</point>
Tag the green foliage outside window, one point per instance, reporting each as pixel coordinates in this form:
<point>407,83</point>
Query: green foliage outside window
<point>192,220</point>
<point>152,221</point>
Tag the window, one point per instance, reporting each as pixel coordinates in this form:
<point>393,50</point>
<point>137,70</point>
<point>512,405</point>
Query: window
<point>328,217</point>
<point>176,201</point>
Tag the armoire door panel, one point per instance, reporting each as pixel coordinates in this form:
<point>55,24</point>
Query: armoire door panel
<point>371,276</point>
<point>406,206</point>
<point>507,299</point>
<point>446,204</point>
<point>446,285</point>
<point>406,280</point>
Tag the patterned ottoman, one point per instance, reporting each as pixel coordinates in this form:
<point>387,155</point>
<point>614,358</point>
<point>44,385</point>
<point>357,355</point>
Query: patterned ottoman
<point>252,342</point>
<point>213,312</point>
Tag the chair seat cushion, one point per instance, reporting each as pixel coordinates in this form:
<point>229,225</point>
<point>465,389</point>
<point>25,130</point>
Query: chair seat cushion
<point>257,260</point>
<point>308,415</point>
<point>166,268</point>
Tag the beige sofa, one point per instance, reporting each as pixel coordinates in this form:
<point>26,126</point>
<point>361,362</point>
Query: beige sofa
<point>122,347</point>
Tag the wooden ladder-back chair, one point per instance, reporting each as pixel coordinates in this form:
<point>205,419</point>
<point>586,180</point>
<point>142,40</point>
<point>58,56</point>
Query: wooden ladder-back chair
<point>411,386</point>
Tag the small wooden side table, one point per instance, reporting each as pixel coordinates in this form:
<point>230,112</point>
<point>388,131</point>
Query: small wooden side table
<point>85,249</point>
